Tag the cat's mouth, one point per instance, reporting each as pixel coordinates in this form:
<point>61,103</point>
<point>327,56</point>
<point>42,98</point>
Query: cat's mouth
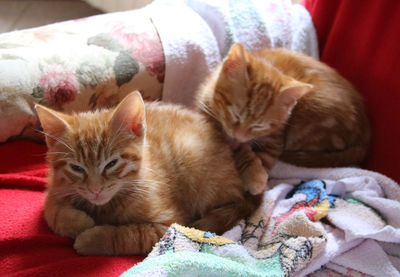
<point>99,199</point>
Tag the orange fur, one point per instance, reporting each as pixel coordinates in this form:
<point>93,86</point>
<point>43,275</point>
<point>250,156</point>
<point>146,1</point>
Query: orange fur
<point>120,177</point>
<point>286,105</point>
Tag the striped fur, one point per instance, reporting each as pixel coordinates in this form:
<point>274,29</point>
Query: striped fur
<point>286,106</point>
<point>120,177</point>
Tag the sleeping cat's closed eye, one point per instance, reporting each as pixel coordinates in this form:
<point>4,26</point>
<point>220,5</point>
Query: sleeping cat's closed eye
<point>234,116</point>
<point>260,127</point>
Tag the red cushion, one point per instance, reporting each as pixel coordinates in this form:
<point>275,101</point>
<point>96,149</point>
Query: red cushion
<point>27,246</point>
<point>361,40</point>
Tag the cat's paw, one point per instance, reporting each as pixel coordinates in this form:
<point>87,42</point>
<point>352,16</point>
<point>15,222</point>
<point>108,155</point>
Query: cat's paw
<point>95,241</point>
<point>257,179</point>
<point>251,170</point>
<point>71,222</point>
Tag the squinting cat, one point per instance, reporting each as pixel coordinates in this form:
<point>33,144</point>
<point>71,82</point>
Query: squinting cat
<point>288,106</point>
<point>118,178</point>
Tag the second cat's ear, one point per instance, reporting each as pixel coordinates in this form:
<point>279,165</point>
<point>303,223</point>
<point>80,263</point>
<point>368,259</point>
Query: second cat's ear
<point>291,93</point>
<point>235,65</point>
<point>130,115</point>
<point>54,123</point>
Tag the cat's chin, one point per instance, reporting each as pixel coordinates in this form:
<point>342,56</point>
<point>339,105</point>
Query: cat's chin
<point>99,201</point>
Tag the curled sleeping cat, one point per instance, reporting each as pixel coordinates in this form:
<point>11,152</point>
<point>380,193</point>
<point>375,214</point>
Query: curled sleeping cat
<point>279,104</point>
<point>118,178</point>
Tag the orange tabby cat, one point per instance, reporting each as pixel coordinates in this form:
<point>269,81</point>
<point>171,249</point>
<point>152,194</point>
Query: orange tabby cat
<point>285,105</point>
<point>118,178</point>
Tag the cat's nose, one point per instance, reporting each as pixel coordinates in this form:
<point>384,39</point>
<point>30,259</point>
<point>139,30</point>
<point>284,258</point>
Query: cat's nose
<point>233,143</point>
<point>95,190</point>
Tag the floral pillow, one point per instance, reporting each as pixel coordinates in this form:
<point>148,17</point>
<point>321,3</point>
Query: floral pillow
<point>77,65</point>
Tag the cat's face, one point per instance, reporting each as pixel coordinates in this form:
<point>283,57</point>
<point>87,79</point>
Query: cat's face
<point>97,155</point>
<point>249,97</point>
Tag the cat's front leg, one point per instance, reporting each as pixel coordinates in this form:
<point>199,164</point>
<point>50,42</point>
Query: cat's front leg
<point>65,220</point>
<point>134,239</point>
<point>251,170</point>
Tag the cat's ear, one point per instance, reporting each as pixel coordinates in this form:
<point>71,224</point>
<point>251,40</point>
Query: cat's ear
<point>54,123</point>
<point>292,92</point>
<point>235,64</point>
<point>130,115</point>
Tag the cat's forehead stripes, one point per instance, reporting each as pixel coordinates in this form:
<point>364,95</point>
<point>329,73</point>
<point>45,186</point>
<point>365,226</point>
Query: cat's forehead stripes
<point>91,139</point>
<point>260,99</point>
<point>130,156</point>
<point>225,98</point>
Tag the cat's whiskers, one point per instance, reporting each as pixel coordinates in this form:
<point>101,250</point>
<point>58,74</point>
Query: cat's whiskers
<point>145,182</point>
<point>55,153</point>
<point>142,187</point>
<point>56,139</point>
<point>155,173</point>
<point>138,189</point>
<point>207,110</point>
<point>66,193</point>
<point>132,185</point>
<point>61,159</point>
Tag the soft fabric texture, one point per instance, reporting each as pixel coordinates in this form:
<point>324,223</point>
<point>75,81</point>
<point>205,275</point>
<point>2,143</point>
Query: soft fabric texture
<point>27,246</point>
<point>77,65</point>
<point>94,62</point>
<point>345,221</point>
<point>357,38</point>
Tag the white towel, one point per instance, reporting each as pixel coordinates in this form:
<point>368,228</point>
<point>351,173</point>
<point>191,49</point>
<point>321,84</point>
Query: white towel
<point>189,46</point>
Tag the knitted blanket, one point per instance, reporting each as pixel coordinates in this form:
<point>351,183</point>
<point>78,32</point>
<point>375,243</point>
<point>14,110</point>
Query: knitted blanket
<point>316,222</point>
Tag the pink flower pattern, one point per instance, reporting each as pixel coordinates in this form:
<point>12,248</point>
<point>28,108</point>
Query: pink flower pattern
<point>146,48</point>
<point>59,86</point>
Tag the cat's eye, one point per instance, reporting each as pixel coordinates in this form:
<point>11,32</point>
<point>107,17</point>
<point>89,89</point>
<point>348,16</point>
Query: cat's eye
<point>111,164</point>
<point>260,127</point>
<point>77,168</point>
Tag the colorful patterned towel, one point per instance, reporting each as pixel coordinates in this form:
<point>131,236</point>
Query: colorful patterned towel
<point>316,222</point>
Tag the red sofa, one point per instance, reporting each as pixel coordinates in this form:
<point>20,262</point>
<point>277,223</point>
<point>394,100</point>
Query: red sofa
<point>358,38</point>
